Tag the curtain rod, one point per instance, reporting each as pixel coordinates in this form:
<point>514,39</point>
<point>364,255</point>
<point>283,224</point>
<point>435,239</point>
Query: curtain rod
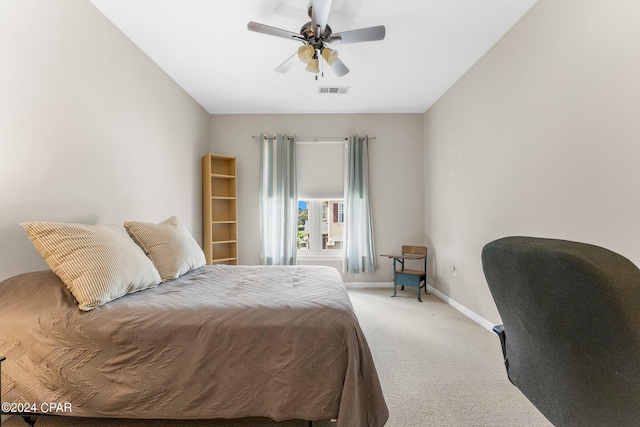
<point>316,138</point>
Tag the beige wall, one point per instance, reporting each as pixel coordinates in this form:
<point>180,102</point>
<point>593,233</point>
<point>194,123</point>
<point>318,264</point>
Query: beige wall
<point>541,137</point>
<point>396,173</point>
<point>91,130</point>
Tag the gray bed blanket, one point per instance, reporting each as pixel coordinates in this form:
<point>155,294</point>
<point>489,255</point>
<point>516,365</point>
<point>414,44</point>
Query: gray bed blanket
<point>220,342</point>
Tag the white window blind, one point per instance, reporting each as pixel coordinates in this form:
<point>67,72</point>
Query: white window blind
<point>320,169</point>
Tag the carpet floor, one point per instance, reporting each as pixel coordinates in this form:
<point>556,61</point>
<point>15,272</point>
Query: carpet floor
<point>436,366</point>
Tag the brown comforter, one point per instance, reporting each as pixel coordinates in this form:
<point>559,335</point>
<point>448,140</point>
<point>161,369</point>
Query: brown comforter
<point>219,342</point>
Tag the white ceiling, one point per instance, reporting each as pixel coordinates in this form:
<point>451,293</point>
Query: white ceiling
<point>204,45</point>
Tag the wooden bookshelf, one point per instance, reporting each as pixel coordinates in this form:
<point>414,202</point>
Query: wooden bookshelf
<point>219,215</point>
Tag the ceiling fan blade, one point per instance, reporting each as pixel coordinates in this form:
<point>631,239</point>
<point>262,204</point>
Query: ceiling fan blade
<point>361,35</point>
<point>288,64</point>
<point>320,14</point>
<point>273,31</point>
<point>339,68</point>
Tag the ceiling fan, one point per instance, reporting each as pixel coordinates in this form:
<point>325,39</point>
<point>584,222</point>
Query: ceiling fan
<point>315,36</point>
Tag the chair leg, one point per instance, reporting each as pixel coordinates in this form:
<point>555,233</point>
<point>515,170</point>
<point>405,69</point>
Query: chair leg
<point>395,276</point>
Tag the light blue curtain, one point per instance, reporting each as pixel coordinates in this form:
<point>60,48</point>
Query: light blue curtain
<point>359,251</point>
<point>278,200</point>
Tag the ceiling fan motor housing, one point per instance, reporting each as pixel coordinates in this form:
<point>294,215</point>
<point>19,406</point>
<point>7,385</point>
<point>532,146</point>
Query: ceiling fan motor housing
<point>309,34</point>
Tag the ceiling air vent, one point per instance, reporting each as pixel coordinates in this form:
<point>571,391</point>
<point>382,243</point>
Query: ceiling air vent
<point>334,89</point>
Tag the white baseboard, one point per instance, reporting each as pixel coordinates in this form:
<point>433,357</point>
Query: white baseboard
<point>464,310</point>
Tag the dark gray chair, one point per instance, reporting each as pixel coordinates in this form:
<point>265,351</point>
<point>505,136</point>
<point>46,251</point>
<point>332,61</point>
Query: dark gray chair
<point>571,332</point>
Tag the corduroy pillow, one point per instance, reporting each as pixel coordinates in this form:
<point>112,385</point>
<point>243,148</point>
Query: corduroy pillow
<point>169,245</point>
<point>98,263</point>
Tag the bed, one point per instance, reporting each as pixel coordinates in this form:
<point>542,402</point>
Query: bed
<point>281,342</point>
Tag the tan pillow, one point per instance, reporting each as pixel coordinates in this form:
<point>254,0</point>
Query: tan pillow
<point>98,263</point>
<point>169,245</point>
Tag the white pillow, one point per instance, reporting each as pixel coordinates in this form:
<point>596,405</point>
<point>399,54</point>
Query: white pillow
<point>169,245</point>
<point>98,263</point>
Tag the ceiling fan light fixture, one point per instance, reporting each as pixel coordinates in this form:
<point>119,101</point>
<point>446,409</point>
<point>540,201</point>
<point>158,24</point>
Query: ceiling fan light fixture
<point>329,55</point>
<point>313,66</point>
<point>305,53</point>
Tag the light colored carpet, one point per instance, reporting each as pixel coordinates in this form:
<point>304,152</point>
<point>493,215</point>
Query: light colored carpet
<point>437,368</point>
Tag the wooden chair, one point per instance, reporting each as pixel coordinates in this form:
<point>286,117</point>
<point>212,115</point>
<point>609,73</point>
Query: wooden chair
<point>413,278</point>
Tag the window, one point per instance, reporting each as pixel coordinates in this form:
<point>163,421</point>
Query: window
<point>319,233</point>
<point>320,168</point>
<point>340,217</point>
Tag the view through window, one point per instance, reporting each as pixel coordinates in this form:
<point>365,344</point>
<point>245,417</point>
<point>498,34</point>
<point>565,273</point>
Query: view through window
<point>320,226</point>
